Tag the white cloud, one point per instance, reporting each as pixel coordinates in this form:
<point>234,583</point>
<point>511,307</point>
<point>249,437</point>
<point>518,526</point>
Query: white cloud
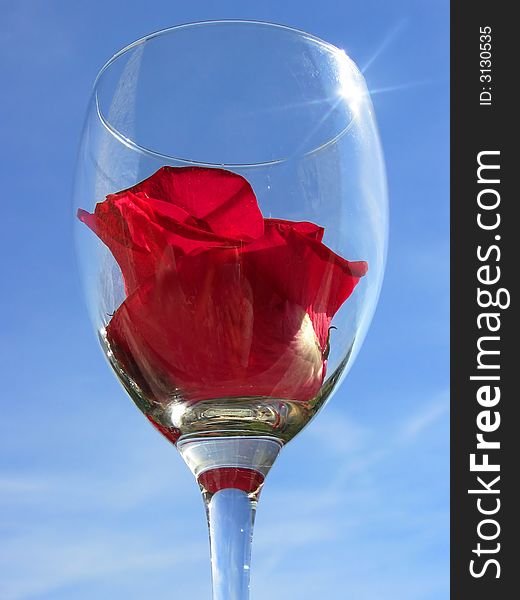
<point>424,419</point>
<point>41,561</point>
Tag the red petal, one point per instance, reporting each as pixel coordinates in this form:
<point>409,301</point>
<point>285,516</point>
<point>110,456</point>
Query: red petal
<point>201,330</point>
<point>303,271</point>
<point>223,200</point>
<point>304,227</point>
<point>195,329</point>
<point>143,234</point>
<point>109,223</point>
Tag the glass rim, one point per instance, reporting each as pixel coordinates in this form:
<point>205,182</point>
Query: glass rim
<point>133,145</point>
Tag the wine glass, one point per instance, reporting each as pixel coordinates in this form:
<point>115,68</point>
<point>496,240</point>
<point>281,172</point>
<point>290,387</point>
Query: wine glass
<point>231,236</point>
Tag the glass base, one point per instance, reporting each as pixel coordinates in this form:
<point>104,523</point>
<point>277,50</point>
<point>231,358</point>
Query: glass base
<point>240,462</point>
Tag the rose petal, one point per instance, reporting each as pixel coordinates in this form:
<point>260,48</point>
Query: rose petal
<point>134,259</point>
<point>304,271</point>
<point>223,200</point>
<point>304,227</point>
<point>195,329</point>
<point>201,330</point>
<point>135,233</point>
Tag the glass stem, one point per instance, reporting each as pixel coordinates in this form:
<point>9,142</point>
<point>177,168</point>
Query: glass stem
<point>230,471</point>
<point>231,515</point>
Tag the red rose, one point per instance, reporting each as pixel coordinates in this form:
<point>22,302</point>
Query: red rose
<point>221,302</point>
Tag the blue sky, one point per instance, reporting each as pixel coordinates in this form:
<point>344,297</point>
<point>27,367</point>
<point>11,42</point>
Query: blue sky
<point>93,503</point>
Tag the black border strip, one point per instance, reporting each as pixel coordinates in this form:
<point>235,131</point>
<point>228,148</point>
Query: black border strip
<point>484,120</point>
